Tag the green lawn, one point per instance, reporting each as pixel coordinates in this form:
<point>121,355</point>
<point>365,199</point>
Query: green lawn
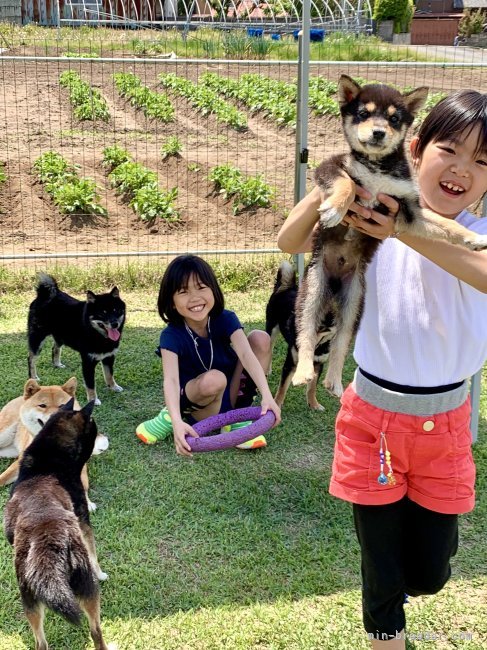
<point>234,550</point>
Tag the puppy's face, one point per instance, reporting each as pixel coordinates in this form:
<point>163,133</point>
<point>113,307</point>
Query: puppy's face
<point>377,117</point>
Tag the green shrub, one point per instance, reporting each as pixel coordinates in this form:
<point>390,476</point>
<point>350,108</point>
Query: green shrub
<point>130,176</point>
<point>400,11</point>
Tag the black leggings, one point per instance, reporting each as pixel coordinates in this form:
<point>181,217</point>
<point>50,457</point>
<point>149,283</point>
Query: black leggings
<point>406,549</point>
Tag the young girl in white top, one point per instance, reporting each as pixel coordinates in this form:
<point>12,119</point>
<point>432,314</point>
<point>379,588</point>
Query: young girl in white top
<point>403,444</point>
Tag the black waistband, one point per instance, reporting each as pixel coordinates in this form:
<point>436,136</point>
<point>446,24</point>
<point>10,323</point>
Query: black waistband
<point>412,390</point>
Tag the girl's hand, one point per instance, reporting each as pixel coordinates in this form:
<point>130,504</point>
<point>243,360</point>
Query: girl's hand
<point>180,431</point>
<point>269,404</point>
<point>369,221</point>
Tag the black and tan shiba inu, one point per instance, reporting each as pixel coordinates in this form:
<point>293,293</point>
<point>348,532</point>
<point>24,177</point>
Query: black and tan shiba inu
<point>281,318</point>
<point>92,327</point>
<point>47,522</point>
<point>375,121</point>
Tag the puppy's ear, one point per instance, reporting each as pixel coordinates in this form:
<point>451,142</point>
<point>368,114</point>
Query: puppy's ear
<point>70,386</point>
<point>348,89</point>
<point>87,410</point>
<point>115,292</point>
<point>416,99</point>
<point>69,406</point>
<point>90,296</point>
<point>31,388</point>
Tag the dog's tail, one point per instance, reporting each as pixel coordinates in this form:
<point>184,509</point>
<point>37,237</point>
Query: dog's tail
<point>286,277</point>
<point>56,569</point>
<point>47,287</point>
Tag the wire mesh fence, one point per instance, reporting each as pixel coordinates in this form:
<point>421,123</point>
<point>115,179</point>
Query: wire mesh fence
<point>214,137</point>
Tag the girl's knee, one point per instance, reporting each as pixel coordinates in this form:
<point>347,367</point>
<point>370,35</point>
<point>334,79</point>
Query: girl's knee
<point>212,383</point>
<point>259,341</point>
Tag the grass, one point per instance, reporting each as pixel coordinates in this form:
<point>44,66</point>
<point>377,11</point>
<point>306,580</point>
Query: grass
<point>233,550</point>
<point>202,43</point>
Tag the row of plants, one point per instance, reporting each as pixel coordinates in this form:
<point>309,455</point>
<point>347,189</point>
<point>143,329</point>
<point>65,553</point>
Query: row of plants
<point>3,175</point>
<point>247,192</point>
<point>205,100</point>
<point>87,102</point>
<point>139,186</point>
<point>154,105</point>
<point>71,194</point>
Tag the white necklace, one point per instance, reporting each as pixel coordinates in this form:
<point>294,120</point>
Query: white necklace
<point>195,343</point>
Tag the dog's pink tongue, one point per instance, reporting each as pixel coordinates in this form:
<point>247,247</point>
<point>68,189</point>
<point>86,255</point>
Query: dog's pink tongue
<point>113,334</point>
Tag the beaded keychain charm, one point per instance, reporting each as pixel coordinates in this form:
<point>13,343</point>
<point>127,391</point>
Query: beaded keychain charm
<point>385,458</point>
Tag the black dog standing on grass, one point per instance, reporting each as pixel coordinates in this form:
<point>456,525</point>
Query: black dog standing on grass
<point>47,521</point>
<point>281,317</point>
<point>92,327</point>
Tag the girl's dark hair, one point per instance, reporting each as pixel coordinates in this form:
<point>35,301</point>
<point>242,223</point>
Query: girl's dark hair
<point>176,277</point>
<point>452,120</point>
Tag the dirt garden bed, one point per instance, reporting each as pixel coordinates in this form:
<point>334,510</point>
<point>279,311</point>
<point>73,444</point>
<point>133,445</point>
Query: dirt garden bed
<point>39,117</point>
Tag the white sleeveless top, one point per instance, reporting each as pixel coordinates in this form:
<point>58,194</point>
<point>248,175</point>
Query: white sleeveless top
<point>421,326</point>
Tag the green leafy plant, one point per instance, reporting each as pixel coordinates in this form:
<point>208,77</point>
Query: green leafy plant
<point>227,179</point>
<point>69,192</point>
<point>87,102</point>
<point>3,175</point>
<point>247,192</point>
<point>78,196</point>
<point>205,99</point>
<point>130,176</point>
<point>193,167</point>
<point>172,147</point>
<point>254,191</point>
<point>151,203</point>
<point>115,156</point>
<point>154,105</point>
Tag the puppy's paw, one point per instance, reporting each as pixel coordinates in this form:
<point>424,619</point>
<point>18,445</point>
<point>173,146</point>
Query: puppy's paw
<point>329,215</point>
<point>91,505</point>
<point>112,646</point>
<point>97,401</point>
<point>333,386</point>
<point>58,364</point>
<point>478,243</point>
<point>101,575</point>
<point>116,388</point>
<point>304,374</point>
<point>316,406</point>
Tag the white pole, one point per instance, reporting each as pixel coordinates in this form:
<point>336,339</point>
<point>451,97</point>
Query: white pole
<point>301,158</point>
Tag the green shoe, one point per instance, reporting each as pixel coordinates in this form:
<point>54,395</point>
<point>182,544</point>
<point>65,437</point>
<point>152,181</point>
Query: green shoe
<point>156,429</point>
<point>255,443</point>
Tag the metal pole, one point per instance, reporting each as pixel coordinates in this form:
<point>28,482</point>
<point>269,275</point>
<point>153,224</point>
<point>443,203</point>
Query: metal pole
<point>301,159</point>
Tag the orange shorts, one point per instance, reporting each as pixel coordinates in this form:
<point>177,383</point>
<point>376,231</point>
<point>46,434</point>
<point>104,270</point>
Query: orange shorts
<point>431,457</point>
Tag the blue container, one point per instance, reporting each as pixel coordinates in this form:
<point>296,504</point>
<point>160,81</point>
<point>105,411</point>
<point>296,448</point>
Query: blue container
<point>316,35</point>
<point>258,32</point>
<point>276,37</point>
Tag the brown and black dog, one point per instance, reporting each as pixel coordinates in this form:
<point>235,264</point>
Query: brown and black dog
<point>47,521</point>
<point>375,121</point>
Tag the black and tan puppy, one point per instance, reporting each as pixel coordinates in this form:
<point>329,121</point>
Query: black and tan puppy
<point>92,327</point>
<point>375,121</point>
<point>47,521</point>
<point>281,318</point>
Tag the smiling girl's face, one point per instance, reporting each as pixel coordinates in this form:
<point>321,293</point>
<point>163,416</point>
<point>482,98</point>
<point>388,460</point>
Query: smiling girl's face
<point>451,175</point>
<point>194,302</point>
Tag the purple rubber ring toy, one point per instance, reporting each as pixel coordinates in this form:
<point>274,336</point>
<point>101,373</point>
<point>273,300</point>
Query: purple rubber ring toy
<point>219,442</point>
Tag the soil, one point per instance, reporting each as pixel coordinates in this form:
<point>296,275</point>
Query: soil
<point>38,117</point>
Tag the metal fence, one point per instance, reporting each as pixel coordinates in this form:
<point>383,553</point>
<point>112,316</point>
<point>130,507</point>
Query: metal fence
<point>39,117</point>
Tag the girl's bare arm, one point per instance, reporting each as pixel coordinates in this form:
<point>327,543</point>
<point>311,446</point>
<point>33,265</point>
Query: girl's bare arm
<point>296,233</point>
